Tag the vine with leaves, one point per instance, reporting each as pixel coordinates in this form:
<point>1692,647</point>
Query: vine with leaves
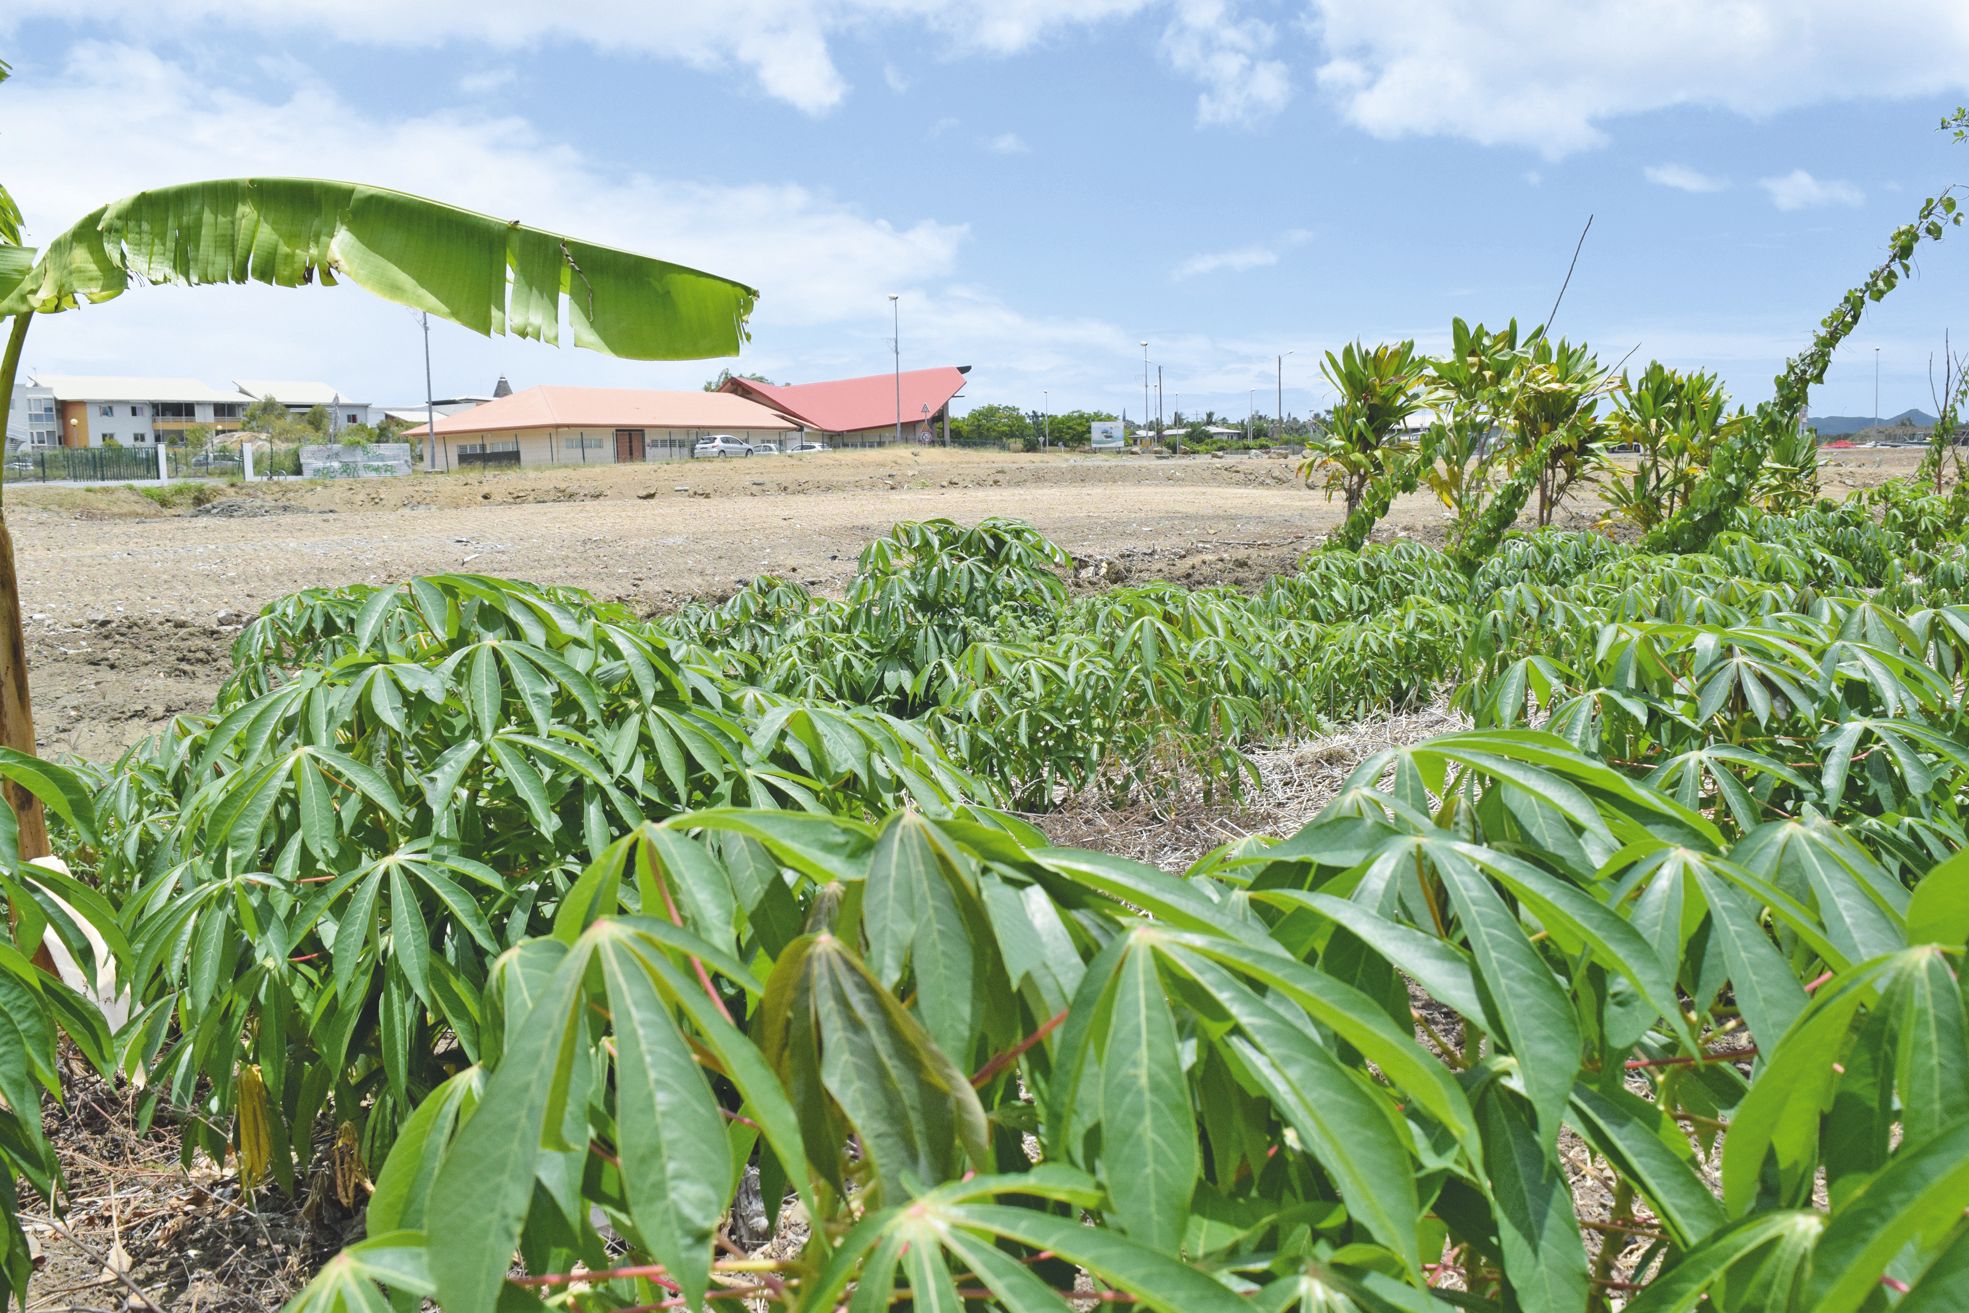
<point>1733,472</point>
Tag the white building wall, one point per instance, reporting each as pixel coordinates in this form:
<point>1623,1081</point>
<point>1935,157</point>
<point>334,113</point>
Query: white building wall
<point>126,420</point>
<point>33,420</point>
<point>591,446</point>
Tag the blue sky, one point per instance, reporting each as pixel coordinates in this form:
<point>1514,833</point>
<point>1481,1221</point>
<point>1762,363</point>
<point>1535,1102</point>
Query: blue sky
<point>1046,183</point>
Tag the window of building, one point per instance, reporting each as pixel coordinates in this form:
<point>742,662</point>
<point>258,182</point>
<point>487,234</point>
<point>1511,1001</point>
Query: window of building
<point>135,411</point>
<point>106,410</point>
<point>140,437</point>
<point>351,418</point>
<point>109,437</point>
<point>227,410</point>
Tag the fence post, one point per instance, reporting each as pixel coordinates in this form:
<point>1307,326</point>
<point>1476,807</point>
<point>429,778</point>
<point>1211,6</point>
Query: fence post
<point>246,459</point>
<point>163,463</point>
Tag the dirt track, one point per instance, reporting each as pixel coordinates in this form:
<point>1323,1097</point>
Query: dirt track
<point>130,609</point>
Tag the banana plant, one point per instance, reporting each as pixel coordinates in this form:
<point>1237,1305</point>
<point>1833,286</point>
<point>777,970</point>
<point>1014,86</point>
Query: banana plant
<point>38,1010</point>
<point>492,275</point>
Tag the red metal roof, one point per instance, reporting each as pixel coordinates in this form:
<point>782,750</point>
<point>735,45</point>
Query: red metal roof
<point>847,404</point>
<point>608,408</point>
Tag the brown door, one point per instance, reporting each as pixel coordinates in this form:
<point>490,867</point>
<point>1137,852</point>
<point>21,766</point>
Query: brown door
<point>628,445</point>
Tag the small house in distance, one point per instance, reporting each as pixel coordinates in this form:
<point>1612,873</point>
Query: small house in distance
<point>864,412</point>
<point>595,426</point>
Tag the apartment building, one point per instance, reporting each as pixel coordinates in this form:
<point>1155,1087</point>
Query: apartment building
<point>96,410</point>
<point>31,420</point>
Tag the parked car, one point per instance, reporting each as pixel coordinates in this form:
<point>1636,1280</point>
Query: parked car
<point>206,460</point>
<point>799,448</point>
<point>721,444</point>
<point>765,449</point>
<point>21,464</point>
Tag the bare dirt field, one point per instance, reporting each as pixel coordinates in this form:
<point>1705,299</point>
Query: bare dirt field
<point>131,607</point>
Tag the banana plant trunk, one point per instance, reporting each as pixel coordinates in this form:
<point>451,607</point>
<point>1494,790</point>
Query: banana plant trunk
<point>16,712</point>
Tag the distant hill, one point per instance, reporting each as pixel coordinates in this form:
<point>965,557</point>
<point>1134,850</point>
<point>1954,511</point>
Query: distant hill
<point>1838,426</point>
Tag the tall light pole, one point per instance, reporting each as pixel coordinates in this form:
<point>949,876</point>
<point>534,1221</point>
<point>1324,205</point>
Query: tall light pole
<point>1876,387</point>
<point>1278,426</point>
<point>1158,403</point>
<point>1145,382</point>
<point>430,408</point>
<point>895,344</point>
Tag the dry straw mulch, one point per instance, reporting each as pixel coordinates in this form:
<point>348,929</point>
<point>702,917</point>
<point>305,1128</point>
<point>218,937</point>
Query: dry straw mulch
<point>1298,780</point>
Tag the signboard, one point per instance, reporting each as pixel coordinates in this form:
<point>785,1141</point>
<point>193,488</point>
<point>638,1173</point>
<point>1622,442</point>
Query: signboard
<point>1107,435</point>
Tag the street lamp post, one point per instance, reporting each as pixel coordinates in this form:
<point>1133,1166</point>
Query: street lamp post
<point>1278,426</point>
<point>431,409</point>
<point>895,343</point>
<point>1145,382</point>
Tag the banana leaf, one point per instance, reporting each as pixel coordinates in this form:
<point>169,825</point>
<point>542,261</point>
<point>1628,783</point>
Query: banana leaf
<point>492,275</point>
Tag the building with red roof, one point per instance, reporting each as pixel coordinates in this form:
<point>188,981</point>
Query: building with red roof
<point>590,426</point>
<point>857,412</point>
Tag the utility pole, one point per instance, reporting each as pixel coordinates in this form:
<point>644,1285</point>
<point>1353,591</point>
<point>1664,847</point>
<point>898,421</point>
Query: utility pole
<point>1278,427</point>
<point>1045,419</point>
<point>895,316</point>
<point>1158,403</point>
<point>430,407</point>
<point>1145,382</point>
<point>1876,387</point>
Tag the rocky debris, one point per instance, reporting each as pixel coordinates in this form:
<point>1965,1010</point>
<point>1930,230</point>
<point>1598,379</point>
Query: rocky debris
<point>244,508</point>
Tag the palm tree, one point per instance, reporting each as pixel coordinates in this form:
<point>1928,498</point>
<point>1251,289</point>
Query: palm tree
<point>491,275</point>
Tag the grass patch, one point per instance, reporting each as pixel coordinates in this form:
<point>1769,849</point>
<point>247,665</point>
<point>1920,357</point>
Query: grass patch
<point>186,496</point>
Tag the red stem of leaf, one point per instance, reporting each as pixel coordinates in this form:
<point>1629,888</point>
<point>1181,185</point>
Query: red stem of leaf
<point>1011,1055</point>
<point>648,1271</point>
<point>1721,1055</point>
<point>703,976</point>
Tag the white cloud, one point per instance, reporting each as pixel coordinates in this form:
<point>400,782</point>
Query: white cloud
<point>824,267</point>
<point>1683,178</point>
<point>1548,74</point>
<point>1240,259</point>
<point>898,80</point>
<point>785,45</point>
<point>1242,83</point>
<point>1006,143</point>
<point>143,121</point>
<point>1799,190</point>
<point>487,80</point>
